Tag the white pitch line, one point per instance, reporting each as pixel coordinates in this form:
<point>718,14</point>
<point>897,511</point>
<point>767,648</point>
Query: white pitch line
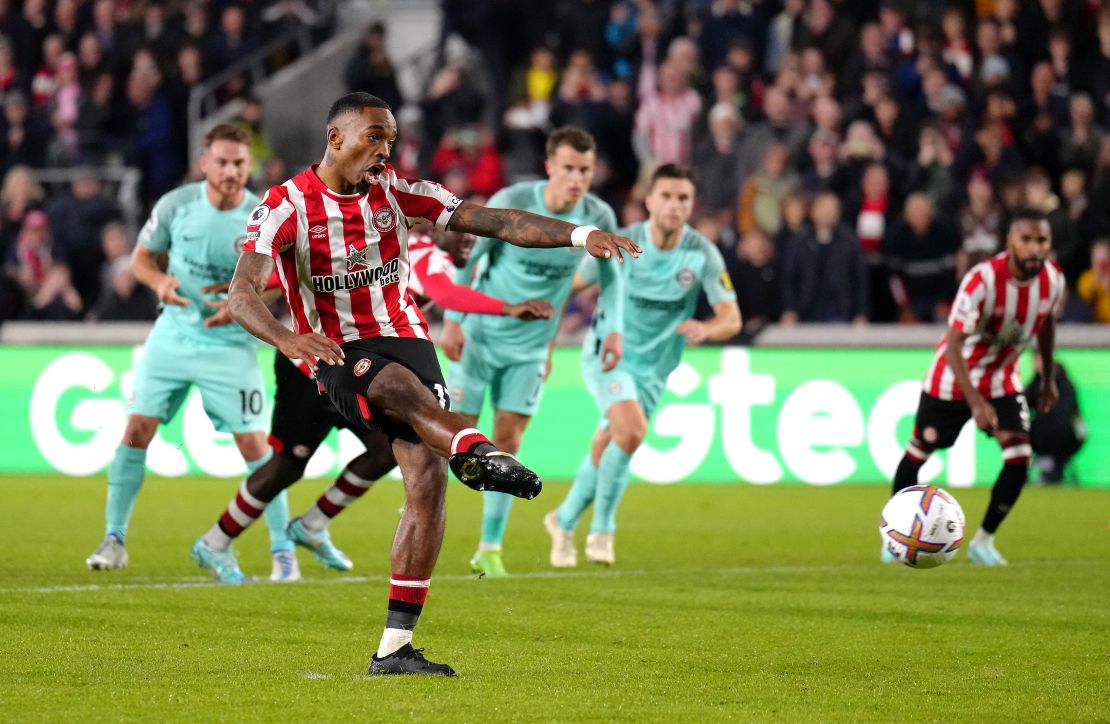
<point>200,582</point>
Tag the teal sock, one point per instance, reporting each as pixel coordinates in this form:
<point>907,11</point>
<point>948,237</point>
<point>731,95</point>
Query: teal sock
<point>125,477</point>
<point>495,516</point>
<point>276,512</point>
<point>612,479</point>
<point>580,496</point>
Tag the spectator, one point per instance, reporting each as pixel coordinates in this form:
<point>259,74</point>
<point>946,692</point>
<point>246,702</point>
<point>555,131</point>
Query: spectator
<point>371,71</point>
<point>824,173</point>
<point>30,259</point>
<point>666,117</point>
<point>77,219</point>
<point>824,278</point>
<point>232,42</point>
<point>1079,144</point>
<point>795,217</point>
<point>20,195</point>
<point>90,59</point>
<point>728,21</point>
<point>98,119</point>
<point>11,76</point>
<point>114,246</point>
<point>761,195</point>
<point>777,127</point>
<point>24,137</point>
<point>251,118</point>
<point>1037,194</point>
<point>43,83</point>
<point>151,136</point>
<point>124,299</point>
<point>957,48</point>
<point>470,150</point>
<point>931,174</point>
<point>56,299</point>
<point>874,210</point>
<point>780,38</point>
<point>980,224</point>
<point>66,20</point>
<point>717,159</point>
<point>921,252</point>
<point>451,100</point>
<point>755,275</point>
<point>1094,283</point>
<point>64,109</point>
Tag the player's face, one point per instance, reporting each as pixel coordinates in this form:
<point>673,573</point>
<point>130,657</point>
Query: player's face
<point>570,173</point>
<point>670,203</point>
<point>226,165</point>
<point>1029,243</point>
<point>457,245</point>
<point>366,144</point>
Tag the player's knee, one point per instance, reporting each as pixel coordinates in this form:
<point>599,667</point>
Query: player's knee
<point>284,470</point>
<point>1016,450</point>
<point>252,445</point>
<point>918,450</point>
<point>629,436</point>
<point>139,431</point>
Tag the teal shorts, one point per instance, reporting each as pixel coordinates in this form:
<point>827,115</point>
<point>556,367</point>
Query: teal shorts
<point>619,384</point>
<point>229,380</point>
<point>513,387</point>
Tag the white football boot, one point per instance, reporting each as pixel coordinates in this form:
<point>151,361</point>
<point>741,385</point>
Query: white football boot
<point>286,569</point>
<point>110,555</point>
<point>563,552</point>
<point>599,549</point>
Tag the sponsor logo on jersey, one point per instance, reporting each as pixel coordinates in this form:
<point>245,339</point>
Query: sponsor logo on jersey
<point>726,281</point>
<point>260,214</point>
<point>318,232</point>
<point>254,235</point>
<point>362,367</point>
<point>374,276</point>
<point>454,203</point>
<point>384,219</point>
<point>356,257</point>
<point>686,278</point>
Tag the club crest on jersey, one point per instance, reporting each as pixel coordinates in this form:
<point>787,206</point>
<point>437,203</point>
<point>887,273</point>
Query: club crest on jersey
<point>686,278</point>
<point>362,367</point>
<point>260,214</point>
<point>384,220</point>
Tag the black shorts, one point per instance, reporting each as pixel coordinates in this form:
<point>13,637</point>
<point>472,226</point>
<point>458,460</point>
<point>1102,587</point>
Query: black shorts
<point>302,416</point>
<point>364,359</point>
<point>938,422</point>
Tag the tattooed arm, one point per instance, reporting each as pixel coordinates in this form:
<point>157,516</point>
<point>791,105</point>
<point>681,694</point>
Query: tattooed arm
<point>244,299</point>
<point>532,230</point>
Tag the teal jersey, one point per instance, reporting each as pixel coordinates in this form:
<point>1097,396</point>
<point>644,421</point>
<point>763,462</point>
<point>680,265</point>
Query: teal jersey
<point>514,274</point>
<point>661,291</point>
<point>203,245</point>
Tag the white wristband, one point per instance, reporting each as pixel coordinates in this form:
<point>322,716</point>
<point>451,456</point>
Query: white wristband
<point>579,235</point>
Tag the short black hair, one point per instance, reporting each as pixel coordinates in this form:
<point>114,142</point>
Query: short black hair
<point>354,103</point>
<point>577,138</point>
<point>673,170</point>
<point>1028,214</point>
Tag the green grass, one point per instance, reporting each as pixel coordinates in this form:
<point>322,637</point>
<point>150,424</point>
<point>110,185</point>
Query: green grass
<point>743,603</point>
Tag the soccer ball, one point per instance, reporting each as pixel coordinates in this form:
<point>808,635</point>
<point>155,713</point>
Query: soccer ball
<point>922,526</point>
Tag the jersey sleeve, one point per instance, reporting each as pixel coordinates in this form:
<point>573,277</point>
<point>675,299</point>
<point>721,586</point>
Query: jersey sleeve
<point>967,309</point>
<point>272,226</point>
<point>588,270</point>
<point>425,201</point>
<point>155,234</point>
<point>716,283</point>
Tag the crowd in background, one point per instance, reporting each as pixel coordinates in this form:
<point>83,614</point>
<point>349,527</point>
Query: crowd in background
<point>855,157</point>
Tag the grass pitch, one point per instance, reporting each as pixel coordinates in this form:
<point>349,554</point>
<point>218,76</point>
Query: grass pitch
<point>727,603</point>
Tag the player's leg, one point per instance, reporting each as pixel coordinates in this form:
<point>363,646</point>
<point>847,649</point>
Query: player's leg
<point>416,547</point>
<point>125,478</point>
<point>627,428</point>
<point>1013,439</point>
<point>256,454</point>
<point>508,431</point>
<point>561,522</point>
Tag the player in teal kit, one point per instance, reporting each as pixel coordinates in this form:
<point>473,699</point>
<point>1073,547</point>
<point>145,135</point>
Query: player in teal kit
<point>509,357</point>
<point>201,228</point>
<point>661,292</point>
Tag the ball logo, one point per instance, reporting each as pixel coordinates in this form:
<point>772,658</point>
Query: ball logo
<point>362,367</point>
<point>301,451</point>
<point>685,278</point>
<point>384,220</point>
<point>260,214</point>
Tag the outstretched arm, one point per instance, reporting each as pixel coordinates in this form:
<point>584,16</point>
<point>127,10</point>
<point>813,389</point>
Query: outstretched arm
<point>532,230</point>
<point>244,299</point>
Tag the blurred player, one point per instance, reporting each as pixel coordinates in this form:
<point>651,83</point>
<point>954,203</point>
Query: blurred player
<point>339,234</point>
<point>302,418</point>
<point>512,359</point>
<point>200,227</point>
<point>660,294</point>
<point>1002,304</point>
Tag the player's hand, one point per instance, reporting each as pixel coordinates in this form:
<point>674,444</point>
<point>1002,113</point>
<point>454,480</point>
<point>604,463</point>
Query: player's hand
<point>452,340</point>
<point>166,291</point>
<point>693,330</point>
<point>311,348</point>
<point>604,245</point>
<point>221,317</point>
<point>986,418</point>
<point>612,349</point>
<point>217,288</point>
<point>1050,394</point>
<point>528,311</point>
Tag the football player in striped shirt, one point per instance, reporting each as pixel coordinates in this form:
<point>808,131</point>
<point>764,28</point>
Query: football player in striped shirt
<point>338,236</point>
<point>1003,304</point>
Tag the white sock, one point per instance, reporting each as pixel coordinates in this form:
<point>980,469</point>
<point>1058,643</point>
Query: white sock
<point>216,539</point>
<point>983,538</point>
<point>393,639</point>
<point>483,547</point>
<point>314,520</point>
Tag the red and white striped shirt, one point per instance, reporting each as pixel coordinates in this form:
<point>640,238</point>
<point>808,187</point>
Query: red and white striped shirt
<point>1001,316</point>
<point>343,261</point>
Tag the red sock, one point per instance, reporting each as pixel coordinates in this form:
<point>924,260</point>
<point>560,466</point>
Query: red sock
<point>465,440</point>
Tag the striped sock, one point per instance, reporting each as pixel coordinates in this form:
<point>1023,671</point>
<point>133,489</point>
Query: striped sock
<point>467,439</point>
<point>243,510</point>
<point>346,489</point>
<point>407,595</point>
